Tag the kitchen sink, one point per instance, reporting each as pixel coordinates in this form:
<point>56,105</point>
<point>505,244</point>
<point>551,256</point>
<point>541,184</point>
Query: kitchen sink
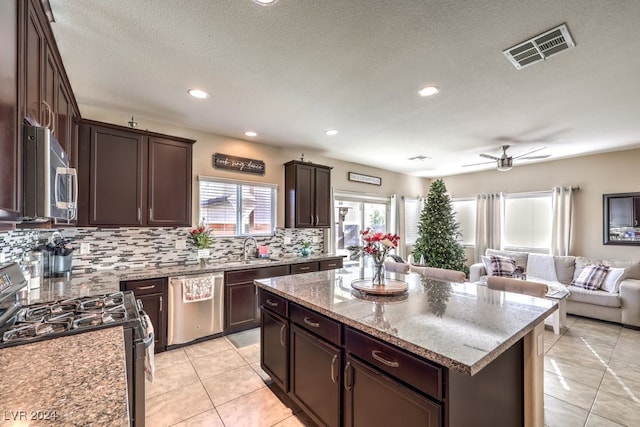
<point>251,261</point>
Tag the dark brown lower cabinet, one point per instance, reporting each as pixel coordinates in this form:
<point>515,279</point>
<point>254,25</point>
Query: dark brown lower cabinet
<point>241,307</point>
<point>153,295</point>
<point>374,399</point>
<point>274,348</point>
<point>316,376</point>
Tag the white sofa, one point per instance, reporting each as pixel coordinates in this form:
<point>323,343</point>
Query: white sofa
<point>620,307</point>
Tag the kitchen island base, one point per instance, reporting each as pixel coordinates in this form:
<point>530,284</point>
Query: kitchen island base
<point>341,376</point>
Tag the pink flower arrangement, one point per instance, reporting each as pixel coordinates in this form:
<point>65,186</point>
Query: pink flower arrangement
<point>378,244</point>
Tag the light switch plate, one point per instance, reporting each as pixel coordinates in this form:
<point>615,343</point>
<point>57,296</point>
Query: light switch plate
<point>85,248</point>
<point>287,240</point>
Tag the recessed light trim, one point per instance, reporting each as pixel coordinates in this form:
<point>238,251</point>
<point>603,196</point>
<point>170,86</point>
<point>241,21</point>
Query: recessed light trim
<point>265,2</point>
<point>197,93</point>
<point>428,91</point>
<point>250,133</point>
<point>331,132</point>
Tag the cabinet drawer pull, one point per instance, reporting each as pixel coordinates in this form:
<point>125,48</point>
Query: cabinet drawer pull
<point>304,268</point>
<point>311,323</point>
<point>334,378</point>
<point>377,354</point>
<point>332,265</point>
<point>144,288</point>
<point>282,330</point>
<point>271,303</point>
<point>347,379</point>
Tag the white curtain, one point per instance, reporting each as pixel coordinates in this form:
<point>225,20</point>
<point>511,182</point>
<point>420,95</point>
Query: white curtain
<point>400,229</point>
<point>562,205</point>
<point>488,216</point>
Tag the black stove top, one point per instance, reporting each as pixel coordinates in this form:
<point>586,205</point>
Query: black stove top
<point>59,318</point>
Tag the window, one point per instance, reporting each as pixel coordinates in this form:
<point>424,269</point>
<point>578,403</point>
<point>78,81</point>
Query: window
<point>412,211</point>
<point>527,222</point>
<point>464,211</point>
<point>235,208</point>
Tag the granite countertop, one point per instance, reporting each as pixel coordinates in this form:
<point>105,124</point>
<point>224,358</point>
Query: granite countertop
<point>108,281</point>
<point>68,381</point>
<point>461,326</point>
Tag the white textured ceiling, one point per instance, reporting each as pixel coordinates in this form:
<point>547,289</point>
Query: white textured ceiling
<point>292,70</point>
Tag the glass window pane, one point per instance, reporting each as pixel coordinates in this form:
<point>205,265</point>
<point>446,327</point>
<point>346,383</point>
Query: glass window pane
<point>527,223</point>
<point>412,209</point>
<point>237,209</point>
<point>375,216</point>
<point>465,215</point>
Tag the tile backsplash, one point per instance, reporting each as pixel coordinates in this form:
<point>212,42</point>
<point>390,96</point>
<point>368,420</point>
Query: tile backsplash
<point>112,248</point>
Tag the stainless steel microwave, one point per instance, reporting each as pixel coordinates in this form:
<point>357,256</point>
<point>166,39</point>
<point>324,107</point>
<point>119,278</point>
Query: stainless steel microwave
<point>50,186</point>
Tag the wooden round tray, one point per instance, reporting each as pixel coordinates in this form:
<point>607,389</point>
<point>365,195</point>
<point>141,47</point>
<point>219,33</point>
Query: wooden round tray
<point>390,287</point>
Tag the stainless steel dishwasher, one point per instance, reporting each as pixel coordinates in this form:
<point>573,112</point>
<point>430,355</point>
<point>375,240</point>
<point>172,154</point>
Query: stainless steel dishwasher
<point>196,307</point>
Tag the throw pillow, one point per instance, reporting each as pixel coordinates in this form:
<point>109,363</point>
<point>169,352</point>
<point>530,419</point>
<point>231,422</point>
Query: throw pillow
<point>487,265</point>
<point>591,277</point>
<point>502,266</point>
<point>612,280</point>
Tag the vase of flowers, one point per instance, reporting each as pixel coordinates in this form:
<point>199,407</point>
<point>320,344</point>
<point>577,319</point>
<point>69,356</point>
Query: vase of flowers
<point>305,250</point>
<point>377,245</point>
<point>201,238</point>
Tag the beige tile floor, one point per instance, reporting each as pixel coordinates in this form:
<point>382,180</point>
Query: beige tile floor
<point>592,379</point>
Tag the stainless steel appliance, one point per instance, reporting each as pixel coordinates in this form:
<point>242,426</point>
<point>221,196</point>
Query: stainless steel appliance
<point>196,307</point>
<point>50,186</point>
<point>36,322</point>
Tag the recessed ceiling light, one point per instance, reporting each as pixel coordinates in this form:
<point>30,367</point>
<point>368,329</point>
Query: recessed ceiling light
<point>197,93</point>
<point>265,2</point>
<point>250,133</point>
<point>428,91</point>
<point>331,132</point>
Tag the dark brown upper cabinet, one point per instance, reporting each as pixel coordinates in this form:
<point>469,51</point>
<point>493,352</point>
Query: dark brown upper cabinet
<point>307,195</point>
<point>35,85</point>
<point>129,177</point>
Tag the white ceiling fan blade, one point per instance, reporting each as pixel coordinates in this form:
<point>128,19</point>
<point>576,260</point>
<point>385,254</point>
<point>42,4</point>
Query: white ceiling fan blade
<point>477,164</point>
<point>489,156</point>
<point>529,152</point>
<point>534,157</point>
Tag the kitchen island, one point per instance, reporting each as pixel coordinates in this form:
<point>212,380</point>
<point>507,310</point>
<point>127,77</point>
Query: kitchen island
<point>73,380</point>
<point>442,354</point>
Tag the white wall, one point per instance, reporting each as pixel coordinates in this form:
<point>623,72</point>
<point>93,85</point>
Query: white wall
<point>274,157</point>
<point>615,172</point>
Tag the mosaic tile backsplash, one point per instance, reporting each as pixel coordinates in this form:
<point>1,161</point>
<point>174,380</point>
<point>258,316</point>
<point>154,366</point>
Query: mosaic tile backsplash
<point>112,248</point>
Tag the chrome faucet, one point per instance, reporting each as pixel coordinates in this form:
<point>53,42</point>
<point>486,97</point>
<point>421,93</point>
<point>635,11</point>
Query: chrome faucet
<point>245,254</point>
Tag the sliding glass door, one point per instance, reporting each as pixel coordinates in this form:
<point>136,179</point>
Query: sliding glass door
<point>354,216</point>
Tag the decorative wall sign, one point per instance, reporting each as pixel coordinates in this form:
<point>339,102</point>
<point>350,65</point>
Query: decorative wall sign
<point>367,179</point>
<point>238,164</point>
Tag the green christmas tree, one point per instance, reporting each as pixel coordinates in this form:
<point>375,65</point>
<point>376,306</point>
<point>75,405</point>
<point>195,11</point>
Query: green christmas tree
<point>439,233</point>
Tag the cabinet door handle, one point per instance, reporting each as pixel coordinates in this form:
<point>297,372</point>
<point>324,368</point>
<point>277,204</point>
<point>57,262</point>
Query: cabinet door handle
<point>282,330</point>
<point>271,303</point>
<point>334,377</point>
<point>139,215</point>
<point>311,219</point>
<point>377,354</point>
<point>311,323</point>
<point>142,288</point>
<point>161,303</point>
<point>317,221</point>
<point>347,379</point>
<point>151,214</point>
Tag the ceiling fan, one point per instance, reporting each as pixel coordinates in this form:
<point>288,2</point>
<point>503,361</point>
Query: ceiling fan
<point>505,162</point>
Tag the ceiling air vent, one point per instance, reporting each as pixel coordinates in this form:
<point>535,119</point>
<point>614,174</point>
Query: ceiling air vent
<point>540,47</point>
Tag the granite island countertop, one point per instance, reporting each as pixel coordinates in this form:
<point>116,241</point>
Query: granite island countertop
<point>108,281</point>
<point>67,381</point>
<point>461,326</point>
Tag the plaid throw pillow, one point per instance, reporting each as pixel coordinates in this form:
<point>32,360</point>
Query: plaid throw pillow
<point>591,277</point>
<point>502,266</point>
